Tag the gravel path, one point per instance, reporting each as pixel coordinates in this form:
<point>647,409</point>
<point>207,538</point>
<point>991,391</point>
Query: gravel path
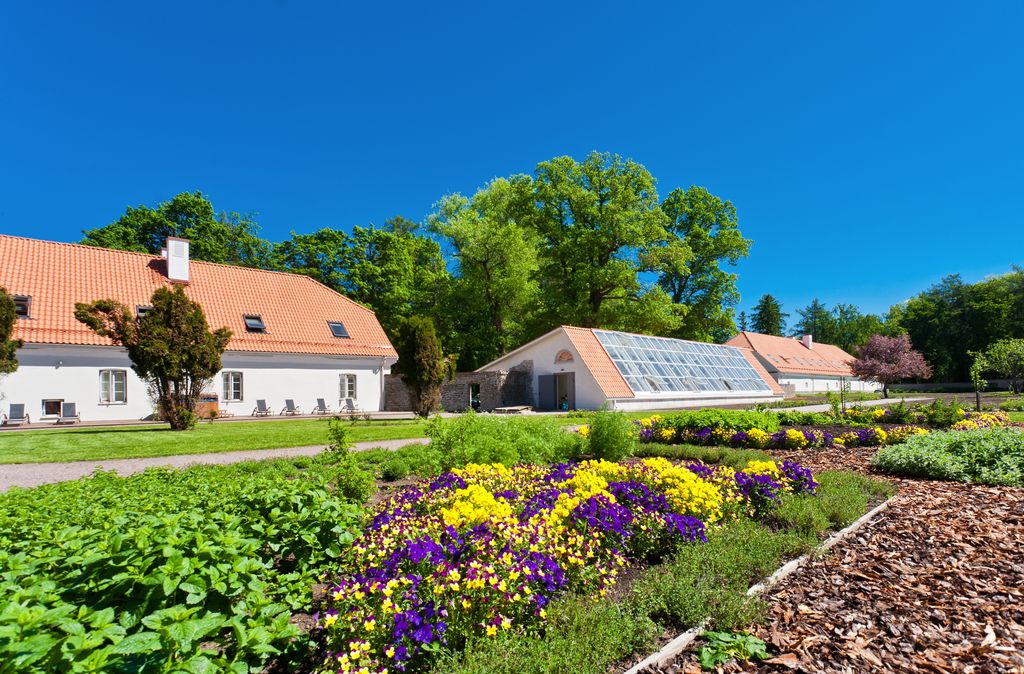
<point>34,474</point>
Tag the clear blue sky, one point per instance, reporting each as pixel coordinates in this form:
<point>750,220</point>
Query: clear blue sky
<point>870,148</point>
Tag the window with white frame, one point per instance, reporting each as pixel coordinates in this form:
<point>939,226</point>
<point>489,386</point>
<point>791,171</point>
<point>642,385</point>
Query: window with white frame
<point>113,387</point>
<point>348,386</point>
<point>232,386</point>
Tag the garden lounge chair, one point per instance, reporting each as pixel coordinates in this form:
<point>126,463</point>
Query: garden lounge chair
<point>261,409</point>
<point>17,415</point>
<point>68,413</point>
<point>289,407</point>
<point>321,407</point>
<point>351,405</point>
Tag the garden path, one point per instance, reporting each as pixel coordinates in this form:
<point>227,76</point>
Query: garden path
<point>934,584</point>
<point>34,474</point>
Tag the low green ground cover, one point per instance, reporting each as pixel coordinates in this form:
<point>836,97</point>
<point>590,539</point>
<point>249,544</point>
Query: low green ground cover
<point>126,442</point>
<point>987,456</point>
<point>196,570</point>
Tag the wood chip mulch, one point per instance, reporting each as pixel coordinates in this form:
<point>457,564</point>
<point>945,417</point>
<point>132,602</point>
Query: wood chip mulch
<point>934,584</point>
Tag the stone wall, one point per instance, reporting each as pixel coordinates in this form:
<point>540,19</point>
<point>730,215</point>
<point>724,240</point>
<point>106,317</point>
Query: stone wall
<point>501,388</point>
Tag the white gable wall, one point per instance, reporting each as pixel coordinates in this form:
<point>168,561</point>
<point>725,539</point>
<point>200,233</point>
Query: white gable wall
<point>72,373</point>
<point>543,352</point>
<point>810,383</point>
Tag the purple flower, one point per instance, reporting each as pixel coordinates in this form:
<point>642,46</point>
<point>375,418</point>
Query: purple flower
<point>800,477</point>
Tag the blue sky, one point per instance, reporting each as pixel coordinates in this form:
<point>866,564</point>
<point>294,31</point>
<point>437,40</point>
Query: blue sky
<point>870,148</point>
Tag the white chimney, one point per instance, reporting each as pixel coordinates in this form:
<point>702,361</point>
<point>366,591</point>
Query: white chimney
<point>808,341</point>
<point>177,260</point>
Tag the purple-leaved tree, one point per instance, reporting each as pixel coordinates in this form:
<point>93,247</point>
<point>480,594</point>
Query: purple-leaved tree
<point>888,360</point>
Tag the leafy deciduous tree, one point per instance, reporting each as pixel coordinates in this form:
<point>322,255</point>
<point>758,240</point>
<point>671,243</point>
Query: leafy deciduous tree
<point>888,360</point>
<point>171,348</point>
<point>1005,358</point>
<point>598,219</point>
<point>703,237</point>
<point>228,238</point>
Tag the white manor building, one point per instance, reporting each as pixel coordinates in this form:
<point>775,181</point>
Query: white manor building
<point>292,336</point>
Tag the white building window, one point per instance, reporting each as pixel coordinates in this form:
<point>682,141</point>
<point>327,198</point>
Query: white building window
<point>348,386</point>
<point>232,386</point>
<point>113,387</point>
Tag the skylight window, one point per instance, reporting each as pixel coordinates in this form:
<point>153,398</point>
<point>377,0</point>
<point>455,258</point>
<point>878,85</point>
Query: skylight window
<point>338,329</point>
<point>254,323</point>
<point>22,305</point>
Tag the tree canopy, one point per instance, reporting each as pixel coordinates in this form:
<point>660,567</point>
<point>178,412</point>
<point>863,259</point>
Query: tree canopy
<point>767,317</point>
<point>889,360</point>
<point>171,348</point>
<point>421,362</point>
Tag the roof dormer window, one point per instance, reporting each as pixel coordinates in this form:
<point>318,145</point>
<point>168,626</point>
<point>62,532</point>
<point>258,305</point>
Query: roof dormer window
<point>338,329</point>
<point>254,323</point>
<point>141,310</point>
<point>22,305</point>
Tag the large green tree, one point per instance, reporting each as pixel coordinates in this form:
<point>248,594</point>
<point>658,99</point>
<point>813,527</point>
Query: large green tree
<point>817,320</point>
<point>8,345</point>
<point>393,270</point>
<point>1005,358</point>
<point>704,237</point>
<point>767,316</point>
<point>171,348</point>
<point>229,238</point>
<point>493,299</point>
<point>598,221</point>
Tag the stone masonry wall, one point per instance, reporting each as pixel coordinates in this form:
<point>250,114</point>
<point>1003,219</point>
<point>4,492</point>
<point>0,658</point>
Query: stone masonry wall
<point>500,388</point>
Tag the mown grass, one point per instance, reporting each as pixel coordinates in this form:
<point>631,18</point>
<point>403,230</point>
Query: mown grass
<point>128,442</point>
<point>727,456</point>
<point>1017,417</point>
<point>700,582</point>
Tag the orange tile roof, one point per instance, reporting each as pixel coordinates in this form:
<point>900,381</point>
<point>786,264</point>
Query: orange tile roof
<point>598,362</point>
<point>294,308</point>
<point>790,356</point>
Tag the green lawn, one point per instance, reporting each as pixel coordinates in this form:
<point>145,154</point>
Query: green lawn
<point>124,442</point>
<point>1016,416</point>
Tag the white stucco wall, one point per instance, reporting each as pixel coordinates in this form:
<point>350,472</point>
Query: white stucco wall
<point>71,373</point>
<point>820,384</point>
<point>543,352</point>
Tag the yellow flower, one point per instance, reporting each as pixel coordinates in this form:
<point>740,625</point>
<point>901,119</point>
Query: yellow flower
<point>491,630</point>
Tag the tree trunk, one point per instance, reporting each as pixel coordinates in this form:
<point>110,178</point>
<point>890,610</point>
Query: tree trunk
<point>885,390</point>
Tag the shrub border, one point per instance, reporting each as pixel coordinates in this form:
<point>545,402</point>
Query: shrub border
<point>679,644</point>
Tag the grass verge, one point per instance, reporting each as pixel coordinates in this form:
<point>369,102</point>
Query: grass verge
<point>130,442</point>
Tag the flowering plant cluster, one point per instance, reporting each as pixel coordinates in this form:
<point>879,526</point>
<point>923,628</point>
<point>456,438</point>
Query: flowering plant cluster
<point>485,548</point>
<point>974,420</point>
<point>650,431</point>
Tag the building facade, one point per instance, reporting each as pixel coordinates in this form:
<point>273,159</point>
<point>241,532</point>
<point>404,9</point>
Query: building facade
<point>803,365</point>
<point>585,368</point>
<point>292,337</point>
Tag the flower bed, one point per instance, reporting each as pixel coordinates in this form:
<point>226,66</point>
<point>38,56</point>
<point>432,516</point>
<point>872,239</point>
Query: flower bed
<point>484,549</point>
<point>659,429</point>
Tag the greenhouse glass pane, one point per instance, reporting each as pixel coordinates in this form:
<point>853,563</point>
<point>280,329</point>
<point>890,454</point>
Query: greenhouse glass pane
<point>659,364</point>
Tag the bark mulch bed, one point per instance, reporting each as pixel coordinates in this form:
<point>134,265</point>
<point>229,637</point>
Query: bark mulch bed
<point>934,584</point>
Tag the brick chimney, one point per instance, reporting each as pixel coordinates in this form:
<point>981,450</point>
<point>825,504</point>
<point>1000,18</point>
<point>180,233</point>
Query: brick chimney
<point>808,341</point>
<point>176,254</point>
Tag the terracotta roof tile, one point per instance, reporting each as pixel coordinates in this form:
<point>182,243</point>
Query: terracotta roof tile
<point>790,356</point>
<point>598,362</point>
<point>294,308</point>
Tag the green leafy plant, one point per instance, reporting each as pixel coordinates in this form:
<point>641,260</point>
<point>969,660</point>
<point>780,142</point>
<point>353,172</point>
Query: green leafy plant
<point>612,436</point>
<point>990,456</point>
<point>725,646</point>
<point>394,469</point>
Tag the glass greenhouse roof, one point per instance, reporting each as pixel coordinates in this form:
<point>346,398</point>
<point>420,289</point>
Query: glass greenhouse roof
<point>663,365</point>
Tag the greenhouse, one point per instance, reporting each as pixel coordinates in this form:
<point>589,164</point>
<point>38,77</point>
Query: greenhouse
<point>585,368</point>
